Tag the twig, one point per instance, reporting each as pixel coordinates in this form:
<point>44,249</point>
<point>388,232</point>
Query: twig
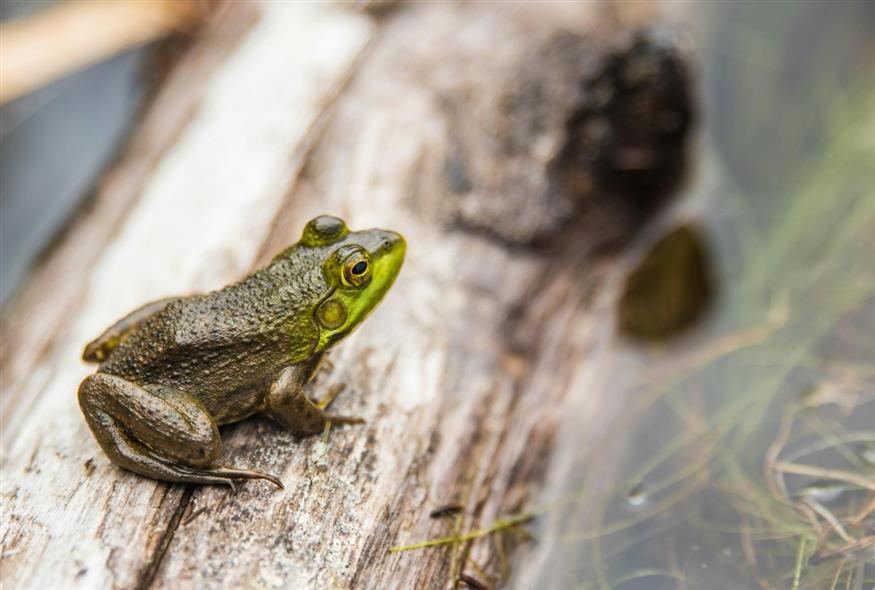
<point>863,543</point>
<point>446,510</point>
<point>501,523</point>
<point>835,579</point>
<point>830,518</point>
<point>797,574</point>
<point>837,474</point>
<point>866,511</point>
<point>473,582</point>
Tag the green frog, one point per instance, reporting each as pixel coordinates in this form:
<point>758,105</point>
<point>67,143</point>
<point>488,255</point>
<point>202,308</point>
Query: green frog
<point>173,371</point>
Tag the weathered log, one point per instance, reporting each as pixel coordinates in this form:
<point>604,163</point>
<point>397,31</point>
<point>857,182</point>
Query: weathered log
<point>467,372</point>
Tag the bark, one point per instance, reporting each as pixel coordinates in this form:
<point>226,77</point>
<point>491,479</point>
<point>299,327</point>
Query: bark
<point>464,374</point>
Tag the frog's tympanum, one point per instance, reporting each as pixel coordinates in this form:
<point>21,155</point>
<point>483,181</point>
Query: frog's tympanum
<point>174,370</point>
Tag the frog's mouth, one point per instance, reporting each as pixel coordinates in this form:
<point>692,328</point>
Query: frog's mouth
<point>344,309</point>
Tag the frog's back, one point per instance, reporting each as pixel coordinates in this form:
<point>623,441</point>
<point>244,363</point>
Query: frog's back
<point>222,341</point>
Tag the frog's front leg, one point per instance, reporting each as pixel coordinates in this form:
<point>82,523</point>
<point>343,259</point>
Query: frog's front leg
<point>287,403</point>
<point>156,431</point>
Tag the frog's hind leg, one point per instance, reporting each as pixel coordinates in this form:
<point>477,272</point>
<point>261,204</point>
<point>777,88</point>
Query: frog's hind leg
<point>156,431</point>
<point>98,349</point>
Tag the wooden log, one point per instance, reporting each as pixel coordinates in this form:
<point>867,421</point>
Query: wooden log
<point>466,374</point>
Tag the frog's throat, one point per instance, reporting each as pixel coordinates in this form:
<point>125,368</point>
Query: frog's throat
<point>353,308</point>
<point>356,306</point>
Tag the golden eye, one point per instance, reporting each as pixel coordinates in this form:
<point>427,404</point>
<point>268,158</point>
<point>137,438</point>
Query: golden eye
<point>357,269</point>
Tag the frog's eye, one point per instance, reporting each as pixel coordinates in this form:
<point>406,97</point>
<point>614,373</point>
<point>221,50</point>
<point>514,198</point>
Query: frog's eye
<point>356,269</point>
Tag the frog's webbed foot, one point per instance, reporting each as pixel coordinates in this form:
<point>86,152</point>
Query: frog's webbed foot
<point>330,419</point>
<point>324,403</point>
<point>157,432</point>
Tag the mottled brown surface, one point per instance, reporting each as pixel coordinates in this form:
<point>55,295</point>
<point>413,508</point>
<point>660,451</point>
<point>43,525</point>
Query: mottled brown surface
<point>462,374</point>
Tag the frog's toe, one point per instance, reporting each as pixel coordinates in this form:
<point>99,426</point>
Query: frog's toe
<point>338,419</point>
<point>220,474</point>
<point>329,398</point>
<point>233,473</point>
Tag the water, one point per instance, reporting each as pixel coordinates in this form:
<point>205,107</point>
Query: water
<point>743,457</point>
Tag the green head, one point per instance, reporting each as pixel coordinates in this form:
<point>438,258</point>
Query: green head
<point>358,267</point>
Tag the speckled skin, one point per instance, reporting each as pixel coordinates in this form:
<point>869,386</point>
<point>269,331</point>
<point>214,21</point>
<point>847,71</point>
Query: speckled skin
<point>174,370</point>
<point>222,345</point>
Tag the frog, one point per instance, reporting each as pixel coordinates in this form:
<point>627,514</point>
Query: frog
<point>173,371</point>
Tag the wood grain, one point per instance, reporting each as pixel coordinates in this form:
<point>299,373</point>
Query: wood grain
<point>182,212</point>
<point>481,359</point>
